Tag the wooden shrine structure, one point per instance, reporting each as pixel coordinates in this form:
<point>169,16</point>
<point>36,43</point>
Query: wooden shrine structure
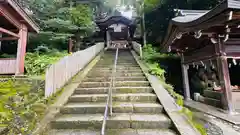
<point>14,25</point>
<point>118,30</point>
<point>208,40</point>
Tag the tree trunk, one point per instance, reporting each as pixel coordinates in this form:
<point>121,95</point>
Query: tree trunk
<point>78,42</point>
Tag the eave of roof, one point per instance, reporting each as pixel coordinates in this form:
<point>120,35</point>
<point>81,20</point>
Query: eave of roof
<point>34,26</point>
<point>114,19</point>
<point>193,18</point>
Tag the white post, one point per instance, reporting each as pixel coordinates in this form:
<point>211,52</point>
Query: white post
<point>186,87</point>
<point>107,38</point>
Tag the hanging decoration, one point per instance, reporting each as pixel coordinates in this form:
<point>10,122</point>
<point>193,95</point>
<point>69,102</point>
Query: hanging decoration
<point>169,49</point>
<point>234,62</point>
<point>202,63</point>
<point>212,65</point>
<point>198,34</point>
<point>179,35</point>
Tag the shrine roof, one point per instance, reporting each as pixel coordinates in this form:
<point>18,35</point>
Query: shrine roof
<point>187,21</point>
<point>16,10</point>
<point>106,22</point>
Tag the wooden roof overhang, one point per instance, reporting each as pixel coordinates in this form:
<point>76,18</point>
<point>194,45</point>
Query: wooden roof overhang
<point>12,15</point>
<point>195,33</point>
<point>103,24</point>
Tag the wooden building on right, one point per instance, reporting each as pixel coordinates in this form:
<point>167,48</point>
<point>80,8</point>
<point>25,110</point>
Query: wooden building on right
<point>208,43</point>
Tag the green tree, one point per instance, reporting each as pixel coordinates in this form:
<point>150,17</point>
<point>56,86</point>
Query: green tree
<point>82,17</point>
<point>59,21</point>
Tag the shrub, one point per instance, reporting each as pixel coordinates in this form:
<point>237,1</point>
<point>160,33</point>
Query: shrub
<point>36,63</point>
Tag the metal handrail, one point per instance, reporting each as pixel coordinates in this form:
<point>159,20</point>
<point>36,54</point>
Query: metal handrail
<point>109,98</point>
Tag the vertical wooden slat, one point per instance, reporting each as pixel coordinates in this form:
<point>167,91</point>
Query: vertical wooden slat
<point>7,66</point>
<point>58,74</point>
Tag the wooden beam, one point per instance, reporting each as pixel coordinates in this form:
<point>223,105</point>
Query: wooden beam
<point>8,38</point>
<point>8,32</point>
<point>9,16</point>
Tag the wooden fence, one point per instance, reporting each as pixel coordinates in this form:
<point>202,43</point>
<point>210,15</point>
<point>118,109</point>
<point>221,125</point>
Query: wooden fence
<point>8,65</point>
<point>137,48</point>
<point>58,74</point>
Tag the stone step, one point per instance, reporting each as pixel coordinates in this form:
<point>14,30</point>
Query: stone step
<point>118,71</point>
<point>118,107</point>
<point>132,84</point>
<point>105,79</point>
<point>104,90</point>
<point>119,62</point>
<point>117,84</point>
<point>113,132</point>
<point>117,74</point>
<point>126,73</point>
<point>117,121</point>
<point>118,68</point>
<point>133,97</point>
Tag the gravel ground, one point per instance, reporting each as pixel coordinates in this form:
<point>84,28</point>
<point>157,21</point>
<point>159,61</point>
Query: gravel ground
<point>213,129</point>
<point>216,126</point>
<point>235,127</point>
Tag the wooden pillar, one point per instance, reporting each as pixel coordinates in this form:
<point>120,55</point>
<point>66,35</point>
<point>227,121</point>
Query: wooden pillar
<point>223,73</point>
<point>186,87</point>
<point>0,42</point>
<point>21,49</point>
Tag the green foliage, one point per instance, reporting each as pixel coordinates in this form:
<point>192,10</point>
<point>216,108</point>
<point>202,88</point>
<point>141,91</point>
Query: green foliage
<point>192,121</point>
<point>7,56</point>
<point>20,106</point>
<point>150,55</point>
<point>58,22</point>
<point>81,16</point>
<point>155,69</point>
<point>150,5</point>
<point>36,63</point>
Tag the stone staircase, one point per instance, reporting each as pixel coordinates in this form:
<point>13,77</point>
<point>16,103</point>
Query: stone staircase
<point>136,109</point>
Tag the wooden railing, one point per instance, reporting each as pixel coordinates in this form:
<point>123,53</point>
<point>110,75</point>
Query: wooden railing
<point>58,74</point>
<point>137,48</point>
<point>8,65</point>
